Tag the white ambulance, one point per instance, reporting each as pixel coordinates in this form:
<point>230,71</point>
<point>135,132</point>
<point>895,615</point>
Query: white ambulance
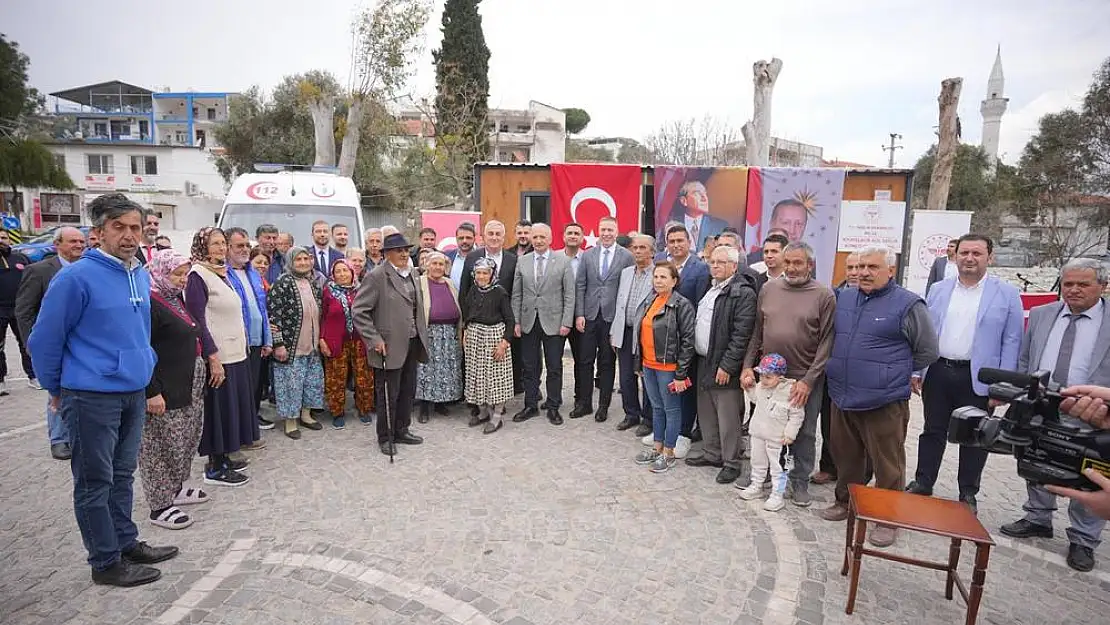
<point>292,198</point>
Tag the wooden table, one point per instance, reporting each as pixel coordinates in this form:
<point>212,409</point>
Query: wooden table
<point>941,517</point>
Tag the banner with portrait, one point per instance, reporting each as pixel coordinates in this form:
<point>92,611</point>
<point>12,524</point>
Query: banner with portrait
<point>704,199</point>
<point>802,203</point>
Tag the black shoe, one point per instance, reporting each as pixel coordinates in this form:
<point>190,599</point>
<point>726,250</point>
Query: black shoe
<point>545,405</point>
<point>473,410</point>
<point>387,449</point>
<point>971,503</point>
<point>225,477</point>
<point>643,430</point>
<point>408,438</point>
<point>602,414</point>
<point>695,436</point>
<point>126,575</point>
<point>525,414</point>
<point>475,421</point>
<point>627,423</point>
<point>581,410</point>
<point>728,475</point>
<point>492,427</point>
<point>917,488</point>
<point>702,461</point>
<point>1026,529</point>
<point>554,417</point>
<point>143,553</point>
<point>236,465</point>
<point>1081,558</point>
<point>440,409</point>
<point>61,451</point>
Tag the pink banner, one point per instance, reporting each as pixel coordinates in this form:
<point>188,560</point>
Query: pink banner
<point>445,223</point>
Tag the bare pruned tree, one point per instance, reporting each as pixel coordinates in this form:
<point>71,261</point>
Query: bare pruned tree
<point>708,142</point>
<point>1072,229</point>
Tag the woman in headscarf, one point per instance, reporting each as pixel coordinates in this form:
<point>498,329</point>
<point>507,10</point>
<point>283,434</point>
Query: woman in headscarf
<point>175,396</point>
<point>440,380</point>
<point>295,302</point>
<point>344,349</point>
<point>487,327</point>
<point>228,404</point>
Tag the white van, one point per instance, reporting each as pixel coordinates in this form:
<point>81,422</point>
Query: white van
<point>292,198</point>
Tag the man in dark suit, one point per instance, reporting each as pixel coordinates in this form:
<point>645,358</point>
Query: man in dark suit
<point>944,266</point>
<point>595,304</point>
<point>149,244</point>
<point>70,244</point>
<point>388,314</point>
<point>465,235</point>
<point>323,255</point>
<point>523,238</point>
<point>494,239</point>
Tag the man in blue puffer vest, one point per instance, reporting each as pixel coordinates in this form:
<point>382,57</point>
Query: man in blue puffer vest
<point>91,348</point>
<point>882,333</point>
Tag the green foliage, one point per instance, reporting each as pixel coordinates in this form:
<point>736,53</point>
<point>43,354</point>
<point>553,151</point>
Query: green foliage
<point>462,83</point>
<point>17,98</point>
<point>386,43</point>
<point>971,188</point>
<point>1096,119</point>
<point>577,120</point>
<point>578,151</point>
<point>27,163</point>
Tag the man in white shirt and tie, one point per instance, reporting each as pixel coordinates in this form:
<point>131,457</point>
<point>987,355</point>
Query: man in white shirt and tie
<point>322,254</point>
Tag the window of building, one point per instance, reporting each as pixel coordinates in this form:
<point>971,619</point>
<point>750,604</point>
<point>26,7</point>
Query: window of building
<point>60,160</point>
<point>120,128</point>
<point>523,128</point>
<point>144,165</point>
<point>536,207</point>
<point>99,163</point>
<point>60,208</point>
<point>212,114</point>
<point>100,130</point>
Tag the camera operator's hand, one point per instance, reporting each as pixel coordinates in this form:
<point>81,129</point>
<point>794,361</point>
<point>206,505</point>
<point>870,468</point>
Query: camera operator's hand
<point>1089,403</point>
<point>915,384</point>
<point>1098,502</point>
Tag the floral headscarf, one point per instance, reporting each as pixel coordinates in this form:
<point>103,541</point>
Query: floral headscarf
<point>343,293</point>
<point>161,265</point>
<point>485,263</point>
<point>199,251</point>
<point>290,256</point>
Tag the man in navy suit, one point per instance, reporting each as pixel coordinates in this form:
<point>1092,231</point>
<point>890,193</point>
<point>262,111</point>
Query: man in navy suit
<point>700,225</point>
<point>979,321</point>
<point>323,255</point>
<point>693,284</point>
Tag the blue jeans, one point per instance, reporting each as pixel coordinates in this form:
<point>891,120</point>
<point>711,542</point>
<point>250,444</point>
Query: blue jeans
<point>55,426</point>
<point>666,407</point>
<point>106,429</point>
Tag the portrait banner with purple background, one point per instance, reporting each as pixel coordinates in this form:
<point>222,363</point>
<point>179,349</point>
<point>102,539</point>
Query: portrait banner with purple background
<point>805,203</point>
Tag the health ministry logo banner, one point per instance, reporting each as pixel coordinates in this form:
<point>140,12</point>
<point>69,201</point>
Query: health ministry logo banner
<point>704,199</point>
<point>802,202</point>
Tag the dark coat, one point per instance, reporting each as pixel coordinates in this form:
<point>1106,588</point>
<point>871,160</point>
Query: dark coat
<point>693,282</point>
<point>674,333</point>
<point>32,288</point>
<point>733,322</point>
<point>287,314</point>
<point>381,315</point>
<point>173,336</point>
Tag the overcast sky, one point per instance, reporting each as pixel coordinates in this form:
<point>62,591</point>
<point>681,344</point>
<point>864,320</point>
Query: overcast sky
<point>855,70</point>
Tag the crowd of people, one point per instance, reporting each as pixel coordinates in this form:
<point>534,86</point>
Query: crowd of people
<point>200,342</point>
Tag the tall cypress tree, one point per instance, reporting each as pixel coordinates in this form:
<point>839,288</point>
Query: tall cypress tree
<point>462,81</point>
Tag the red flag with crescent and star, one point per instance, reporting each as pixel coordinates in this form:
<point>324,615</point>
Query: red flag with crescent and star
<point>584,194</point>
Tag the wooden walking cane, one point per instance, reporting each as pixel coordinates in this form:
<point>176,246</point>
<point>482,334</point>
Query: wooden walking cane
<point>388,416</point>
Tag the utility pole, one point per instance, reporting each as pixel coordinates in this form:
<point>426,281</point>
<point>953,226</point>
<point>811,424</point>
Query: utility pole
<point>891,148</point>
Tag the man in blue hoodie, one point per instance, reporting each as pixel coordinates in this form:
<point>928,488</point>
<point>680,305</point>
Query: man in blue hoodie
<point>91,348</point>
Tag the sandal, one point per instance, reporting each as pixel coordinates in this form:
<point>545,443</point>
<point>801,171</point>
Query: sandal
<point>189,496</point>
<point>172,518</point>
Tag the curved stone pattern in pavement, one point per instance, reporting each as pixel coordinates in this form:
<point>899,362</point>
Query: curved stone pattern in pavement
<point>535,524</point>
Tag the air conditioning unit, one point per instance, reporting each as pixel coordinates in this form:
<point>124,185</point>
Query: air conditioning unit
<point>192,188</point>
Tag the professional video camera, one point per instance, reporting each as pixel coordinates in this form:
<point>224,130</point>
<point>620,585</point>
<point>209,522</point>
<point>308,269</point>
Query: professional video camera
<point>1050,449</point>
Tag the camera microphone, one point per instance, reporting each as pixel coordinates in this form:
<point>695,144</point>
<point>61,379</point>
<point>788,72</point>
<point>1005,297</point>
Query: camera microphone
<point>994,376</point>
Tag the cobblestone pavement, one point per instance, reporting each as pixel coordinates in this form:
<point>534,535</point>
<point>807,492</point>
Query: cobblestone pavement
<point>535,524</point>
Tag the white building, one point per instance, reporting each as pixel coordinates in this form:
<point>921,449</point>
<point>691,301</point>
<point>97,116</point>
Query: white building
<point>533,135</point>
<point>992,109</point>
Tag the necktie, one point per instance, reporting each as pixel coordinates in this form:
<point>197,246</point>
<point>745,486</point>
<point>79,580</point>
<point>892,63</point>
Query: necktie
<point>1067,346</point>
<point>323,263</point>
<point>541,269</point>
<point>604,263</point>
<point>694,235</point>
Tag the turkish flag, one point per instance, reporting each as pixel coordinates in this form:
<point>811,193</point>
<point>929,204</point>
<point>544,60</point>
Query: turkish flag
<point>585,193</point>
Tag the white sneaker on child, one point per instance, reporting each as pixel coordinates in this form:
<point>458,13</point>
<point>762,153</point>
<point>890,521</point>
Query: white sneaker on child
<point>751,491</point>
<point>774,503</point>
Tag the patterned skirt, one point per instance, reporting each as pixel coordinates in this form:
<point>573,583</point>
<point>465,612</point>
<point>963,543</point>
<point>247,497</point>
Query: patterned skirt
<point>487,381</point>
<point>440,380</point>
<point>298,386</point>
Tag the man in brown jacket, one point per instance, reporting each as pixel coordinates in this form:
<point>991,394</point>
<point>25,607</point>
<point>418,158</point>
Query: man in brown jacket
<point>386,316</point>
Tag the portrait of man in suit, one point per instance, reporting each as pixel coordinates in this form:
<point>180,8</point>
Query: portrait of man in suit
<point>692,211</point>
<point>1070,338</point>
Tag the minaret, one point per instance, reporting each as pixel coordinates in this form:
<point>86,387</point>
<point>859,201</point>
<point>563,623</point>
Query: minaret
<point>992,109</point>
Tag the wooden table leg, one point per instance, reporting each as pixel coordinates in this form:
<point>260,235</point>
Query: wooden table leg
<point>978,577</point>
<point>953,564</point>
<point>848,538</point>
<point>857,556</point>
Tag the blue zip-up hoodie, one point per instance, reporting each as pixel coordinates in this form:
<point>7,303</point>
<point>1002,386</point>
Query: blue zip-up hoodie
<point>93,330</point>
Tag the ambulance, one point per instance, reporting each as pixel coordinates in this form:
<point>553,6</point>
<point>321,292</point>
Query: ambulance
<point>292,198</point>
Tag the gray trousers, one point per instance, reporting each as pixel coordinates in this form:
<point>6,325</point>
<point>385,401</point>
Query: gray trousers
<point>1086,528</point>
<point>719,413</point>
<point>805,445</point>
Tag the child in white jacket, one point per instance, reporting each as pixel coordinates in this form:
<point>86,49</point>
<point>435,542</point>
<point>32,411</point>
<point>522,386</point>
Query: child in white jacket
<point>774,423</point>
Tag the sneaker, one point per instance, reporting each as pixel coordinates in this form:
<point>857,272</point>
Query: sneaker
<point>663,464</point>
<point>255,446</point>
<point>682,447</point>
<point>264,424</point>
<point>774,503</point>
<point>366,419</point>
<point>225,477</point>
<point>801,497</point>
<point>237,464</point>
<point>34,383</point>
<point>339,423</point>
<point>751,491</point>
<point>647,456</point>
<point>648,439</point>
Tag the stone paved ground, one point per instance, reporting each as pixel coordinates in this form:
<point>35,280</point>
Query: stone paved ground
<point>536,524</point>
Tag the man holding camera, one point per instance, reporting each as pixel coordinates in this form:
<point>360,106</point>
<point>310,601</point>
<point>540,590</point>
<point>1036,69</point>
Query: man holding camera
<point>1071,339</point>
<point>978,319</point>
